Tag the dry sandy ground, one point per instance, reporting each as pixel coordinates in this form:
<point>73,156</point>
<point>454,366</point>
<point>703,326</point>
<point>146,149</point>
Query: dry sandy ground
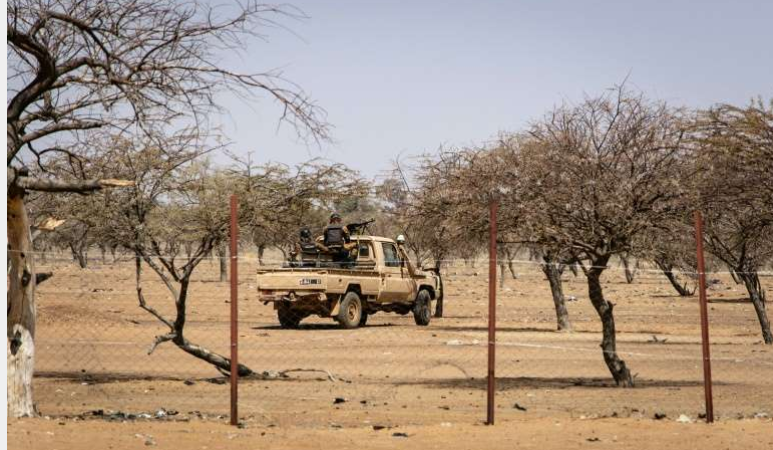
<point>92,343</point>
<point>543,434</point>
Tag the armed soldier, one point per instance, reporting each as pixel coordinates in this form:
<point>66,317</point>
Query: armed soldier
<point>335,240</point>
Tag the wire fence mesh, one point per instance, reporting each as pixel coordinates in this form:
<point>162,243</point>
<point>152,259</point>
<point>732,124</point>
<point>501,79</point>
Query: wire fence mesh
<point>93,342</point>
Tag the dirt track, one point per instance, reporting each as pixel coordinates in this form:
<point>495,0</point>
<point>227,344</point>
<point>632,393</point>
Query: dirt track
<point>93,341</point>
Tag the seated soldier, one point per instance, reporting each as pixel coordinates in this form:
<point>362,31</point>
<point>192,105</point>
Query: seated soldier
<point>335,240</point>
<point>305,250</point>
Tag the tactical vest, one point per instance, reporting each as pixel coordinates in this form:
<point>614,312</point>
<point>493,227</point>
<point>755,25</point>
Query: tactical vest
<point>334,236</point>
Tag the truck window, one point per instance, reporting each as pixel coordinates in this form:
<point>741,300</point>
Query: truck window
<point>363,251</point>
<point>390,255</point>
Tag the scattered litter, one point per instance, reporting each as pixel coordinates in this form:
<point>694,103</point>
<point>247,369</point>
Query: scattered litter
<point>339,400</point>
<point>400,435</point>
<point>684,419</point>
<point>454,342</point>
<point>519,407</point>
<point>659,416</point>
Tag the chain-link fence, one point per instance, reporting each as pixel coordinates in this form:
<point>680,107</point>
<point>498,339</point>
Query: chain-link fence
<point>93,341</point>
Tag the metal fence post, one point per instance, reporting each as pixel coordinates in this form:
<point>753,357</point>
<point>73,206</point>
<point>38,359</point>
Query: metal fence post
<point>234,312</point>
<point>704,319</point>
<point>492,311</point>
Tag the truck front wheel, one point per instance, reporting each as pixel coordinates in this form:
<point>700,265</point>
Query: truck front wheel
<point>350,311</point>
<point>422,309</point>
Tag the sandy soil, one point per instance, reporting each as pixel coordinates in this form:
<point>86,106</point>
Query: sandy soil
<point>543,434</point>
<point>93,340</point>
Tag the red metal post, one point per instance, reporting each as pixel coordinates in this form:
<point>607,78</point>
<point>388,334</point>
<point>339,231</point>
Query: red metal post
<point>492,311</point>
<point>704,319</point>
<point>234,312</point>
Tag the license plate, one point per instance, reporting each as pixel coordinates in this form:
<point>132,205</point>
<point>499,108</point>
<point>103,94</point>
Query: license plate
<point>310,281</point>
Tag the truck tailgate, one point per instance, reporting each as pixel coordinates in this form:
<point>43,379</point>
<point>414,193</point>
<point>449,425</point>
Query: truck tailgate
<point>292,280</point>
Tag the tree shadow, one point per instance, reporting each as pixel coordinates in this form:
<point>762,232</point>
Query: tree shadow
<point>732,301</point>
<point>512,329</point>
<point>112,377</point>
<point>512,383</point>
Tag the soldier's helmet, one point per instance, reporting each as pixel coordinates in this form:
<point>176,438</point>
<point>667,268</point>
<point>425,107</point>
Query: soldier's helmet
<point>335,216</point>
<point>305,234</point>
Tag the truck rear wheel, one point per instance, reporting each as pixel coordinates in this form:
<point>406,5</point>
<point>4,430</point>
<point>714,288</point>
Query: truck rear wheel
<point>422,309</point>
<point>350,311</point>
<point>288,318</point>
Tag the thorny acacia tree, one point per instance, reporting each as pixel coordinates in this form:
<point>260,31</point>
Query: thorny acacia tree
<point>175,205</point>
<point>75,66</point>
<point>596,176</point>
<point>443,206</point>
<point>735,192</point>
<point>279,200</point>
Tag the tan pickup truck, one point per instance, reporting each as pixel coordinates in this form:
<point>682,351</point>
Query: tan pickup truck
<point>378,277</point>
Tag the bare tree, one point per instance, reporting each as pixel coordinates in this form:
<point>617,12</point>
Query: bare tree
<point>442,206</point>
<point>735,191</point>
<point>79,66</point>
<point>173,202</point>
<point>596,176</point>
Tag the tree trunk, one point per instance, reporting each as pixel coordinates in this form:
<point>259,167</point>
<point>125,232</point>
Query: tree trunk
<point>512,269</point>
<point>103,252</point>
<point>501,275</point>
<point>553,274</point>
<point>221,256</point>
<point>735,276</point>
<point>261,250</point>
<point>617,367</point>
<point>439,300</point>
<point>21,309</point>
<point>177,328</point>
<point>510,256</point>
<point>219,361</point>
<point>629,273</point>
<point>573,267</point>
<point>79,254</point>
<point>667,270</point>
<point>757,296</point>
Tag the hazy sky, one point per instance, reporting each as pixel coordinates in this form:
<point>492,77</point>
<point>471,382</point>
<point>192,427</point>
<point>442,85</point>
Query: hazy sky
<point>401,78</point>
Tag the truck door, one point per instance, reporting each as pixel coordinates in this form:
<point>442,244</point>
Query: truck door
<point>396,283</point>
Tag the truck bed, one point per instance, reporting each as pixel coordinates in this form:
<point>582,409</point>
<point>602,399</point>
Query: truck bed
<point>274,284</point>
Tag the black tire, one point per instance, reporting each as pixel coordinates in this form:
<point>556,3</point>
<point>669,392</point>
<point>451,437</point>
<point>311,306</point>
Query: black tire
<point>289,318</point>
<point>422,308</point>
<point>350,311</point>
